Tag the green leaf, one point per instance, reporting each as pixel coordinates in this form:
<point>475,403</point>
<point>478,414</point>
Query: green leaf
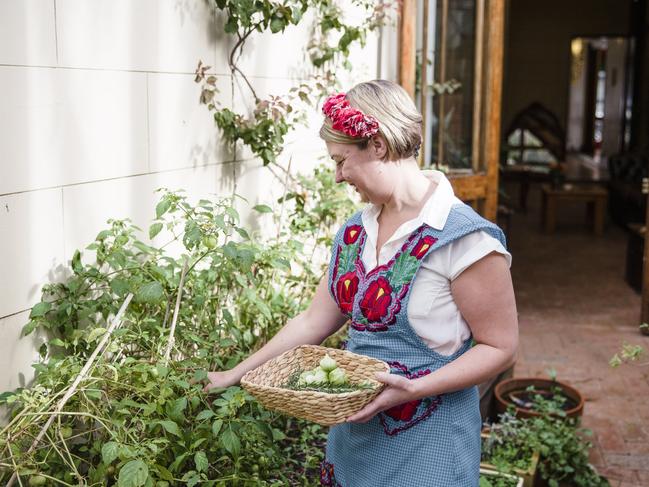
<point>149,292</point>
<point>164,473</point>
<point>94,334</point>
<point>216,427</point>
<point>40,309</point>
<point>103,235</point>
<point>162,208</point>
<point>29,327</point>
<point>192,480</point>
<point>276,25</point>
<point>119,286</point>
<point>231,25</point>
<point>76,262</point>
<point>230,442</point>
<point>232,213</point>
<point>133,474</point>
<point>109,452</point>
<point>265,429</point>
<point>154,230</point>
<point>200,459</point>
<point>170,427</point>
<point>263,208</point>
<point>243,233</point>
<point>57,342</point>
<point>175,409</point>
<point>205,414</point>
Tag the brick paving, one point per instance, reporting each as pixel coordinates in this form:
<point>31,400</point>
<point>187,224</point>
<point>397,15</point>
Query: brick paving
<point>575,312</point>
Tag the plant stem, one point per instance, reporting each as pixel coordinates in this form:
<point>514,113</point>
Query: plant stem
<point>116,322</point>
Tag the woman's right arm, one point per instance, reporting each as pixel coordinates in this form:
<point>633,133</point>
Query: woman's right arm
<point>312,326</point>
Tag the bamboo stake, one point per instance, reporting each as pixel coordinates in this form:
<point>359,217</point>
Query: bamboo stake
<point>117,321</point>
<point>170,344</point>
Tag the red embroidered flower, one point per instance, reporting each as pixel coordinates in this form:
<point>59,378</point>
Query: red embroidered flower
<point>327,473</point>
<point>403,412</point>
<point>422,246</point>
<point>377,299</point>
<point>346,288</point>
<point>351,234</point>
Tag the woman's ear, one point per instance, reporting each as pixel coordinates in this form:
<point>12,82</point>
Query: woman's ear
<point>380,146</point>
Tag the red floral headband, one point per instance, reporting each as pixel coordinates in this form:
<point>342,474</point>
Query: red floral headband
<point>348,120</point>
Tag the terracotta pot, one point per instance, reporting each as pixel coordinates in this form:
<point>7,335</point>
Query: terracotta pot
<point>522,383</point>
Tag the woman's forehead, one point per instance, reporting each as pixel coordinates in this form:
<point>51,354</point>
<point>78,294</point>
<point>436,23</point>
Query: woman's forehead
<point>338,150</point>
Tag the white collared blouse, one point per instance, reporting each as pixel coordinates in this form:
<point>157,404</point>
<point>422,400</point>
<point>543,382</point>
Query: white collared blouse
<point>432,312</point>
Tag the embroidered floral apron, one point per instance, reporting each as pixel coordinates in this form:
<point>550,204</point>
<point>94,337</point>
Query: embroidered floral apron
<point>434,441</point>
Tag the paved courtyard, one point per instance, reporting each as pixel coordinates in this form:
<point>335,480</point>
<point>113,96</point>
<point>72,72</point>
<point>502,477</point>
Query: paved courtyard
<point>575,312</point>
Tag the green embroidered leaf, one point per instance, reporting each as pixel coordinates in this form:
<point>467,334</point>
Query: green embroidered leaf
<point>347,257</point>
<point>403,270</point>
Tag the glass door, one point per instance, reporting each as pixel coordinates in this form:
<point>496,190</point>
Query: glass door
<point>458,71</point>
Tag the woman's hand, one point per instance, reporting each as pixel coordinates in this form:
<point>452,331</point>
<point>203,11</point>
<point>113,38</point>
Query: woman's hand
<point>398,391</point>
<point>226,378</point>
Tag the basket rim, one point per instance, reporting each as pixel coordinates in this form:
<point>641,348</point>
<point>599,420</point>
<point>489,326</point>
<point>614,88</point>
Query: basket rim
<point>320,394</point>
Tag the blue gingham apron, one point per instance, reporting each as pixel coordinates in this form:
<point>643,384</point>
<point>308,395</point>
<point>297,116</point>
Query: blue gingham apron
<point>434,441</point>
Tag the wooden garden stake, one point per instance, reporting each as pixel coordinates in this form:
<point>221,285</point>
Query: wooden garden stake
<point>170,344</point>
<point>117,321</point>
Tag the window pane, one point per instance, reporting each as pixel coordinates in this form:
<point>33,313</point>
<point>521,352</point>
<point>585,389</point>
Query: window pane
<point>515,138</point>
<point>538,155</point>
<point>452,122</point>
<point>531,140</point>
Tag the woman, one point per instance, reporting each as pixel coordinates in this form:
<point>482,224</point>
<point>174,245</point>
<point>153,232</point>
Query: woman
<point>420,275</point>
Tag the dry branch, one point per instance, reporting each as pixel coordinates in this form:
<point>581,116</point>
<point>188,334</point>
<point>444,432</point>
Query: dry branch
<point>176,309</point>
<point>86,368</point>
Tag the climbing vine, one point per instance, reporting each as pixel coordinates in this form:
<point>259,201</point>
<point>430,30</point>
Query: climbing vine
<point>264,130</point>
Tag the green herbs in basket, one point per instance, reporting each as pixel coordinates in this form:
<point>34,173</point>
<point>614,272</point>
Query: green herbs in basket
<point>327,377</point>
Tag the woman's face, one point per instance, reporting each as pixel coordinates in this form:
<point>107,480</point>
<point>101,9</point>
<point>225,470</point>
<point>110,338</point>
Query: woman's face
<point>364,170</point>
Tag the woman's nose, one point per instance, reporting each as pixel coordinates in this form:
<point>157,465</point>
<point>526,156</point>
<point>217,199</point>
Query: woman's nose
<point>339,175</point>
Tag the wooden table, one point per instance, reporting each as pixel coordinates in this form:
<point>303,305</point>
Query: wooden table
<point>594,196</point>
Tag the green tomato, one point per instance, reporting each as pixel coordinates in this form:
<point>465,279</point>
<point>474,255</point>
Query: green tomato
<point>162,483</point>
<point>209,242</point>
<point>37,480</point>
<point>319,376</point>
<point>338,377</point>
<point>328,364</point>
<point>66,432</point>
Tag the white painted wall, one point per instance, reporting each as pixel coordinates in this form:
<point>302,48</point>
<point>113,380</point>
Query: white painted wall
<point>98,108</point>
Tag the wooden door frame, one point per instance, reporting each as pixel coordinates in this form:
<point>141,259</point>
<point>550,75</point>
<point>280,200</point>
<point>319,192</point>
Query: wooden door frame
<point>481,188</point>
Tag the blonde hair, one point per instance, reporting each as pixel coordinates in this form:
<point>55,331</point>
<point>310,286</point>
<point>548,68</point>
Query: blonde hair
<point>399,120</point>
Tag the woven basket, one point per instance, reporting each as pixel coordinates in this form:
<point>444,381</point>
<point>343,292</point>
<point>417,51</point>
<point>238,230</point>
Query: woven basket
<point>266,384</point>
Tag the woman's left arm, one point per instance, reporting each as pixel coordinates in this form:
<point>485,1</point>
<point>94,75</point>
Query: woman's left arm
<point>485,296</point>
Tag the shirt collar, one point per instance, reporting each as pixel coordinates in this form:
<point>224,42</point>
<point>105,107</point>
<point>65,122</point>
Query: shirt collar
<point>434,212</point>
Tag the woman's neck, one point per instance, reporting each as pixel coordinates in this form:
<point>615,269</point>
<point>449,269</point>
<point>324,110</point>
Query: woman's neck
<point>411,190</point>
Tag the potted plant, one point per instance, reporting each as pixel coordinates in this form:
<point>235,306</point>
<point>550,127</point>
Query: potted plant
<point>536,397</point>
<point>501,453</point>
<point>493,478</point>
<point>561,445</point>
